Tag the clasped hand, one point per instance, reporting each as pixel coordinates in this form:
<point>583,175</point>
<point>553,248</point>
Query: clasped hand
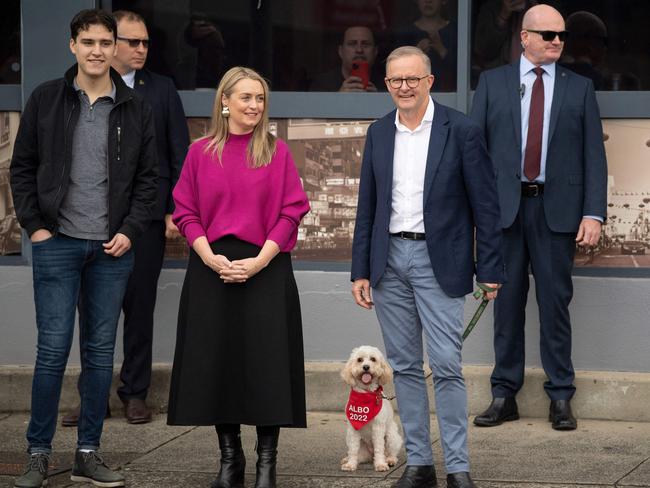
<point>237,271</point>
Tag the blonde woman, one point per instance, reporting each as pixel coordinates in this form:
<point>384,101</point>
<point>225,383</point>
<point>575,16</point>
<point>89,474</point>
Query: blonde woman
<point>239,351</point>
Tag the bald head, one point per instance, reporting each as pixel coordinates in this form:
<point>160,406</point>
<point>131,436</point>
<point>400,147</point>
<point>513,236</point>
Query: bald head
<point>541,15</point>
<point>537,19</point>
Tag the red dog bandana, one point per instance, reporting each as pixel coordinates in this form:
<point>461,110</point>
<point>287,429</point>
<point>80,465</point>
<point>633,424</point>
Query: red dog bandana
<point>363,407</point>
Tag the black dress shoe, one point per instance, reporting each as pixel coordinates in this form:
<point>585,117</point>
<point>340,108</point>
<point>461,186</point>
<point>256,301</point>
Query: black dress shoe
<point>500,410</point>
<point>417,477</point>
<point>460,480</point>
<point>560,415</point>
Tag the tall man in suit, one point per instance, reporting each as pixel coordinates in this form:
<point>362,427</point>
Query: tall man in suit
<point>545,138</point>
<point>426,185</point>
<point>172,140</point>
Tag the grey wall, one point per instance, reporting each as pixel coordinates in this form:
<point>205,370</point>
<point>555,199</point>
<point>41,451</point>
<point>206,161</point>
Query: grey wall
<point>610,321</point>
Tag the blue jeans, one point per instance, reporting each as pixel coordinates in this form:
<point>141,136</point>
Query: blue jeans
<point>70,272</point>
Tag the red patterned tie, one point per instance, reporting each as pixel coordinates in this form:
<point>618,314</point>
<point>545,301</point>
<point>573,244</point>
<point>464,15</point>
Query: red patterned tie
<point>533,155</point>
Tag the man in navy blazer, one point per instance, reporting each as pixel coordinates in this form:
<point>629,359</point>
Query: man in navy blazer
<point>172,141</point>
<point>544,134</point>
<point>427,188</point>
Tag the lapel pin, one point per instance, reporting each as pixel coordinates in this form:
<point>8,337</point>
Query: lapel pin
<point>141,82</point>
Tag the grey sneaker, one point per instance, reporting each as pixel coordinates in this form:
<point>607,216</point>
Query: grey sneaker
<point>89,467</point>
<point>35,474</point>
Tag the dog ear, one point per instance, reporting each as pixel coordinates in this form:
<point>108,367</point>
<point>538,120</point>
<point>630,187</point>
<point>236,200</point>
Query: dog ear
<point>386,372</point>
<point>347,375</point>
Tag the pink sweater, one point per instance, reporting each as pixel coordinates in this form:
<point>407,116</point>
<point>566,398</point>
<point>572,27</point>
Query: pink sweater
<point>254,205</point>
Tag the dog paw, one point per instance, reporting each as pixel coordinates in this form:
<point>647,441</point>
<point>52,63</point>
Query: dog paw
<point>348,467</point>
<point>381,467</point>
<point>344,460</point>
<point>391,460</point>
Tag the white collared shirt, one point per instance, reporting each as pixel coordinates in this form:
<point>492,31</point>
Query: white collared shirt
<point>409,166</point>
<point>527,77</point>
<point>129,79</point>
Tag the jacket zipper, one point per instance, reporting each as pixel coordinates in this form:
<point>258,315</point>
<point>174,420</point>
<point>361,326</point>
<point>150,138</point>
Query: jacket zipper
<point>119,138</point>
<point>65,152</point>
<point>108,169</point>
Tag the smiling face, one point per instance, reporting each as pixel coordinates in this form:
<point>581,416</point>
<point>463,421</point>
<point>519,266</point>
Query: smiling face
<point>94,49</point>
<point>409,100</point>
<point>366,369</point>
<point>130,58</point>
<point>246,104</point>
<point>536,49</point>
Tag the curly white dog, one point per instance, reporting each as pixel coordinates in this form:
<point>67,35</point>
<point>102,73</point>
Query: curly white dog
<point>372,433</point>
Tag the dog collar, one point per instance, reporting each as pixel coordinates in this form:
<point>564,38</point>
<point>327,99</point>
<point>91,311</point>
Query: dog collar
<point>363,407</point>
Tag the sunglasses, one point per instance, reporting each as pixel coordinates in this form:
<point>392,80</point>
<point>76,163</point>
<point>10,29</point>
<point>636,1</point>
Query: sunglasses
<point>549,35</point>
<point>135,42</point>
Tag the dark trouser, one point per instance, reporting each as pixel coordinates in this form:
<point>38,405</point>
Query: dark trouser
<point>69,271</point>
<point>139,304</point>
<point>550,255</point>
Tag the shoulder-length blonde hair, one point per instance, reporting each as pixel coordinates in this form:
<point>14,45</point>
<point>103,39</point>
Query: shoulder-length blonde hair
<point>262,145</point>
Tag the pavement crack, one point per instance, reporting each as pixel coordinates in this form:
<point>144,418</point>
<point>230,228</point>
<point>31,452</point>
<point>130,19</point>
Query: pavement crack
<point>128,463</point>
<point>616,483</point>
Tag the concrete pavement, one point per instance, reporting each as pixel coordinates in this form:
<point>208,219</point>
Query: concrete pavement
<point>522,454</point>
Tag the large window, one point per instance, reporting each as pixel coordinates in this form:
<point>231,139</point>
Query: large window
<point>298,45</point>
<point>10,42</point>
<point>608,39</point>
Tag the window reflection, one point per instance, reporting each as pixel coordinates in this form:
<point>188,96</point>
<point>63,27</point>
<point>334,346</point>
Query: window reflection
<point>10,42</point>
<point>298,45</point>
<point>436,33</point>
<point>608,39</point>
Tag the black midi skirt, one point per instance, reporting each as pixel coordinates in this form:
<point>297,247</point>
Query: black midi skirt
<point>239,350</point>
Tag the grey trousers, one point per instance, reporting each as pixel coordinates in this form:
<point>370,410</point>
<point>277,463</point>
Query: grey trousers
<point>409,301</point>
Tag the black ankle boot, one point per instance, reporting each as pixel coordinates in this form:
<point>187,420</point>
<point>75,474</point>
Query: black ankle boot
<point>267,455</point>
<point>233,462</point>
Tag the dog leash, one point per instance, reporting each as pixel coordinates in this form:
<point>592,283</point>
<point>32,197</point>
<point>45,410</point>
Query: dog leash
<point>479,311</point>
<point>472,323</point>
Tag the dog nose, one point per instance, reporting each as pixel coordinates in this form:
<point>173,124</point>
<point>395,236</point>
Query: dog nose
<point>366,367</point>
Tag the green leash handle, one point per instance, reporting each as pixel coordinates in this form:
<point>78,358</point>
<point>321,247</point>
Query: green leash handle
<point>479,311</point>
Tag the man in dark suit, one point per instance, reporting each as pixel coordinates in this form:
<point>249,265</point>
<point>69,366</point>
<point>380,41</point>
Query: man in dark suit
<point>172,140</point>
<point>427,184</point>
<point>545,138</point>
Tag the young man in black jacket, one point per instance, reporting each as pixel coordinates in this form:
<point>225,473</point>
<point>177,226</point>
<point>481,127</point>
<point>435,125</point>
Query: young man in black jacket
<point>172,140</point>
<point>84,179</point>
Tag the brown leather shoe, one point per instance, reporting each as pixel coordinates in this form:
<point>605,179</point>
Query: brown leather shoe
<point>71,419</point>
<point>136,411</point>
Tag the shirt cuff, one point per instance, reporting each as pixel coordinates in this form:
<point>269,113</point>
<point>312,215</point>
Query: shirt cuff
<point>192,232</point>
<point>281,233</point>
<point>594,217</point>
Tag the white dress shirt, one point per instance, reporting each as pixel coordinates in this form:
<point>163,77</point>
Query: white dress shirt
<point>409,166</point>
<point>129,79</point>
<point>527,77</point>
